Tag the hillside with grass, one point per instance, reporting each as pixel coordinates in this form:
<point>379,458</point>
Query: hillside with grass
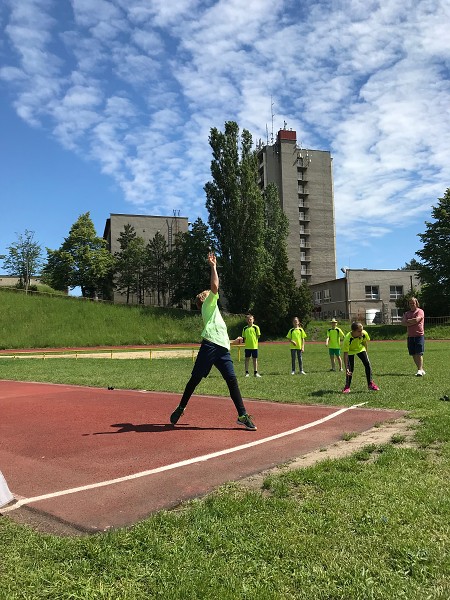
<point>43,321</point>
<point>46,321</point>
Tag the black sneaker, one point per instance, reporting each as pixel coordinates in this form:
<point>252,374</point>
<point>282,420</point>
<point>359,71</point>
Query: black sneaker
<point>246,421</point>
<point>177,413</point>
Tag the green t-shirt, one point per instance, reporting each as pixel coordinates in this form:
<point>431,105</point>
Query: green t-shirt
<point>334,335</point>
<point>296,334</point>
<point>215,329</point>
<point>251,335</point>
<point>353,345</point>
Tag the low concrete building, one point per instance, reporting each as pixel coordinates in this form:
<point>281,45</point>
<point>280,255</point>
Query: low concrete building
<point>146,227</point>
<point>12,281</point>
<point>364,295</point>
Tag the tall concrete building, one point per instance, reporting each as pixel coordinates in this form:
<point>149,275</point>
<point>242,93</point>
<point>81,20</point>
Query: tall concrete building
<point>305,186</point>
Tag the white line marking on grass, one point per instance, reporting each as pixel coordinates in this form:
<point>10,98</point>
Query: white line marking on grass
<point>183,463</point>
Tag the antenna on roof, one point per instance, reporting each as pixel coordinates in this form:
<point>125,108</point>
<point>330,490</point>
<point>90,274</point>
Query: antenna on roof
<point>272,113</point>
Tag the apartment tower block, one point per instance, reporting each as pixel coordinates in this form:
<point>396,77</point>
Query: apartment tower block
<point>305,185</point>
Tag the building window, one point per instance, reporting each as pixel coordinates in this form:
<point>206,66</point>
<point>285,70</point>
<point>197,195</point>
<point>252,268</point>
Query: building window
<point>395,317</point>
<point>395,292</point>
<point>326,296</point>
<point>372,292</point>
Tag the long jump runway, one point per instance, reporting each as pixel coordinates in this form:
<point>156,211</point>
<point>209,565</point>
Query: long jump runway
<point>97,459</point>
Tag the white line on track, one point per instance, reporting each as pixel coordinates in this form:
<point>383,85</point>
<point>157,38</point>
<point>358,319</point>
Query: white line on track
<point>183,463</point>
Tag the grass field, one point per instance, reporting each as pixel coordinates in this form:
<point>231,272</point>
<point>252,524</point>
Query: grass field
<point>371,526</point>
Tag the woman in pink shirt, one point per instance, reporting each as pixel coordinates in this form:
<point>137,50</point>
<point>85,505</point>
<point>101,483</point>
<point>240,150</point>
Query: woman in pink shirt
<point>414,321</point>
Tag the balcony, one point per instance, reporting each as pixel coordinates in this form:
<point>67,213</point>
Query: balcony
<point>303,217</point>
<point>305,258</point>
<point>303,204</point>
<point>304,232</point>
<point>302,191</point>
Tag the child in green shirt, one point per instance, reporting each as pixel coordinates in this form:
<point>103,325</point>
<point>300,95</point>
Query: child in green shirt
<point>297,336</point>
<point>335,335</point>
<point>355,344</point>
<point>214,351</point>
<point>250,335</point>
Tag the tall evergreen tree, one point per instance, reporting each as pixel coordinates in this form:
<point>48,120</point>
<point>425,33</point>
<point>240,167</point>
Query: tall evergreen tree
<point>434,270</point>
<point>82,260</point>
<point>188,274</point>
<point>236,214</point>
<point>129,263</point>
<point>157,267</point>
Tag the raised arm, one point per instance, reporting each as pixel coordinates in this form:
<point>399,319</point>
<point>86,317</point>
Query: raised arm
<point>214,284</point>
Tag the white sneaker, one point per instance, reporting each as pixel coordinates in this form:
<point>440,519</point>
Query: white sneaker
<point>423,372</point>
<point>257,375</point>
<point>292,372</point>
<point>247,375</point>
<point>419,373</point>
<point>302,373</point>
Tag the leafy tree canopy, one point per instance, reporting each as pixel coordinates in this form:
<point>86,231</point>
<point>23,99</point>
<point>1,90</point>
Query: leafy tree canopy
<point>24,258</point>
<point>434,270</point>
<point>83,260</point>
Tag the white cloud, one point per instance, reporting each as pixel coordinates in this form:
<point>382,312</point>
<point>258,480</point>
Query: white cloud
<point>136,85</point>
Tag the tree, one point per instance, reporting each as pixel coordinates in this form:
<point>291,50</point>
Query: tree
<point>402,303</point>
<point>129,264</point>
<point>434,270</point>
<point>82,260</point>
<point>412,265</point>
<point>156,269</point>
<point>24,258</point>
<point>236,214</point>
<point>189,273</point>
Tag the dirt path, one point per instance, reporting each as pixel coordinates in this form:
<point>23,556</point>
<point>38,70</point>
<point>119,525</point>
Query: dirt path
<point>400,429</point>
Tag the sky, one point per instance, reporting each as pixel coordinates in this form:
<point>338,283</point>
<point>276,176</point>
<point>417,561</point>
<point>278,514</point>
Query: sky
<point>106,106</point>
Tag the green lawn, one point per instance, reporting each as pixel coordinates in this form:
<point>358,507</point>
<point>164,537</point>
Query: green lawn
<point>372,526</point>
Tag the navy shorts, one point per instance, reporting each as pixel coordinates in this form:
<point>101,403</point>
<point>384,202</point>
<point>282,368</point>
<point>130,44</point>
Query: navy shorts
<point>416,345</point>
<point>210,355</point>
<point>249,353</point>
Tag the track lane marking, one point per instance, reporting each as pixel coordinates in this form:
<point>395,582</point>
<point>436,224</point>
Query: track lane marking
<point>177,465</point>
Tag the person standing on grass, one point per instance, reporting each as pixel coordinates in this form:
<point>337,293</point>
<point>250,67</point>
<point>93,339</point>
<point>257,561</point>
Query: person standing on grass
<point>355,344</point>
<point>335,335</point>
<point>297,336</point>
<point>414,320</point>
<point>214,350</point>
<point>250,335</point>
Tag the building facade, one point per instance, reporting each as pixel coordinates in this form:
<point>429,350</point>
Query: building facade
<point>305,185</point>
<point>146,227</point>
<point>364,295</point>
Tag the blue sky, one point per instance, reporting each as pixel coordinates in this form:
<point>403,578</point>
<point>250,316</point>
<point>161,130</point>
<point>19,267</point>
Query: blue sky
<point>106,106</point>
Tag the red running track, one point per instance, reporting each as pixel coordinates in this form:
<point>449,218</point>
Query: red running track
<point>97,459</point>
